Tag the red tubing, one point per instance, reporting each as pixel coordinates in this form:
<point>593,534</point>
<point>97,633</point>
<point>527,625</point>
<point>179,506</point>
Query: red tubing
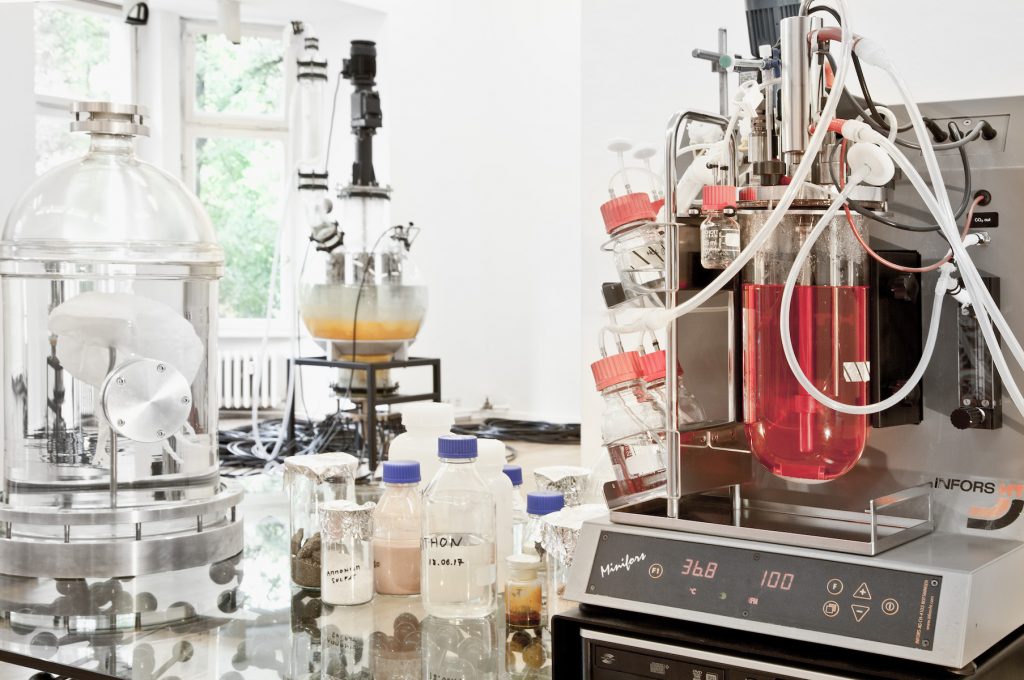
<point>830,33</point>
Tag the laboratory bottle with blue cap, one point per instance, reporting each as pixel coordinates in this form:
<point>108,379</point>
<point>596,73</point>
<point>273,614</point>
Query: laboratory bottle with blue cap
<point>458,572</point>
<point>396,530</point>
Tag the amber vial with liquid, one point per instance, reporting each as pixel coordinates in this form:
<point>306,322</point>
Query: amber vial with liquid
<point>524,607</point>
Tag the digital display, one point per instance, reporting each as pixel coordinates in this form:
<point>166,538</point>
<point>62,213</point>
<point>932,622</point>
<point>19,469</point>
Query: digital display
<point>842,598</point>
<point>699,569</point>
<point>777,580</point>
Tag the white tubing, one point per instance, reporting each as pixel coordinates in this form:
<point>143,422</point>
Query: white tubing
<point>941,209</point>
<point>659,318</point>
<point>787,340</point>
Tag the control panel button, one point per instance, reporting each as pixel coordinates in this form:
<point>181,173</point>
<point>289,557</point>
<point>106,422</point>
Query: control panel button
<point>656,571</point>
<point>890,606</point>
<point>834,586</point>
<point>862,592</point>
<point>859,611</point>
<point>830,609</point>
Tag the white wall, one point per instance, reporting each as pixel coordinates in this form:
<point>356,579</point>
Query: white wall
<point>481,100</point>
<point>632,87</point>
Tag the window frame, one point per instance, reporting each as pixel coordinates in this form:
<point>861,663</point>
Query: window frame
<point>196,124</point>
<point>55,106</point>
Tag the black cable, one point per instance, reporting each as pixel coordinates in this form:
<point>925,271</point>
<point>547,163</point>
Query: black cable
<point>336,432</point>
<point>359,295</point>
<point>523,430</point>
<point>858,207</point>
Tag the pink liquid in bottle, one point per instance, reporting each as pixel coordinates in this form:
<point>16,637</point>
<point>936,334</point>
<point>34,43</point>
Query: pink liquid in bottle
<point>790,433</point>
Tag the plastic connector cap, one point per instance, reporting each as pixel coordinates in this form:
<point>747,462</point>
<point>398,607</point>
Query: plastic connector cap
<point>871,161</point>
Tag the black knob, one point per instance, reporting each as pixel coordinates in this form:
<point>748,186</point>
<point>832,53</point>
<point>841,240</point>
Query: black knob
<point>905,287</point>
<point>967,417</point>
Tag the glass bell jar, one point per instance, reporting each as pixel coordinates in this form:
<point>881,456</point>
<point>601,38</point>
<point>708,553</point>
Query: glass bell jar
<point>108,271</point>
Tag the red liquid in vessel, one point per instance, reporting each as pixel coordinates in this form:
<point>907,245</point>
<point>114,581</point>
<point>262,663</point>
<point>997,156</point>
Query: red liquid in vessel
<point>790,433</point>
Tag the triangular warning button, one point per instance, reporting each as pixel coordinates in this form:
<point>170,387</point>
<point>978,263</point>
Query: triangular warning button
<point>859,611</point>
<point>862,593</point>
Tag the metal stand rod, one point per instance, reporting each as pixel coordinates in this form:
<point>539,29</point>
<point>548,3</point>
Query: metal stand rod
<point>672,450</point>
<point>113,468</point>
<point>723,75</point>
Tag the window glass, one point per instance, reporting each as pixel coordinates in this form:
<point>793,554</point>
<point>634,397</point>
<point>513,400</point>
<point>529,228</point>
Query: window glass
<point>240,182</point>
<point>55,143</point>
<point>246,79</point>
<point>80,55</point>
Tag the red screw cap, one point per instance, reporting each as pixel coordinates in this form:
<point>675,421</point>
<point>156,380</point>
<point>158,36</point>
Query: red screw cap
<point>626,209</point>
<point>719,197</point>
<point>652,366</point>
<point>616,369</point>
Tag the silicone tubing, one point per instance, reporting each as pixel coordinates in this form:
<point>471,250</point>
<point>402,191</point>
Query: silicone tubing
<point>659,318</point>
<point>939,205</point>
<point>787,341</point>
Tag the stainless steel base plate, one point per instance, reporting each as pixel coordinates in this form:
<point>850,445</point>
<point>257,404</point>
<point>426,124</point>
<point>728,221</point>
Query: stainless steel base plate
<point>144,540</point>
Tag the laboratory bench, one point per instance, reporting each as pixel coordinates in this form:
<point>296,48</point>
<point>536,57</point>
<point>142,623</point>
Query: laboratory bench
<point>242,619</point>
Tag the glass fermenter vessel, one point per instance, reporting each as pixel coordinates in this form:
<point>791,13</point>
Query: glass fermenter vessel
<point>790,433</point>
<point>108,270</point>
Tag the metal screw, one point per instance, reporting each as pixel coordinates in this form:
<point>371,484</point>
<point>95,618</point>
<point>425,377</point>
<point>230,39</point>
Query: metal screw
<point>968,122</point>
<point>160,368</point>
<point>986,403</point>
<point>120,422</point>
<point>185,399</point>
<point>120,381</point>
<point>160,433</point>
<point>592,588</point>
<point>967,402</point>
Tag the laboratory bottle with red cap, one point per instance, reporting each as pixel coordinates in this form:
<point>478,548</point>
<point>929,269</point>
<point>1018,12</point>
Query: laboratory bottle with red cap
<point>653,368</point>
<point>720,232</point>
<point>631,428</point>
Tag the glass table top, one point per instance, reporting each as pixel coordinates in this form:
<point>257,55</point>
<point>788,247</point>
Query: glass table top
<point>241,619</point>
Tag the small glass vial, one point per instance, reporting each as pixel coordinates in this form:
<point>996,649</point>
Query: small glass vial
<point>539,504</point>
<point>515,474</point>
<point>720,232</point>
<point>524,606</point>
<point>312,481</point>
<point>396,530</point>
<point>347,569</point>
<point>458,569</point>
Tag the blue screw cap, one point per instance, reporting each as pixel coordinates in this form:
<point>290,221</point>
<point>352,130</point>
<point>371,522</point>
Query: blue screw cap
<point>515,473</point>
<point>401,471</point>
<point>544,502</point>
<point>456,446</point>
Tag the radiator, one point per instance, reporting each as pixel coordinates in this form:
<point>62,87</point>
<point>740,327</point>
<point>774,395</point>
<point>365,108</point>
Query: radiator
<point>237,379</point>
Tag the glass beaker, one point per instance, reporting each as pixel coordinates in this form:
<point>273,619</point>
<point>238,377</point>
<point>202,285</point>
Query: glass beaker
<point>311,481</point>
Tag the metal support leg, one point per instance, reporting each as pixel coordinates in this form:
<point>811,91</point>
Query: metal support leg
<point>371,416</point>
<point>113,468</point>
<point>293,376</point>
